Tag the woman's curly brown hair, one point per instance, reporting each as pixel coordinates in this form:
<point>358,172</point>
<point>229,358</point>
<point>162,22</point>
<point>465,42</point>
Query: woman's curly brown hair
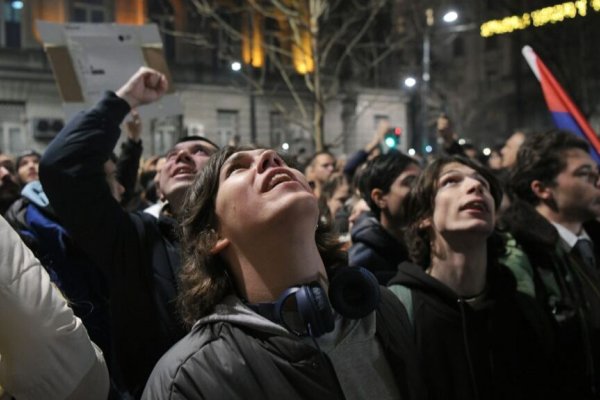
<point>419,205</point>
<point>203,278</point>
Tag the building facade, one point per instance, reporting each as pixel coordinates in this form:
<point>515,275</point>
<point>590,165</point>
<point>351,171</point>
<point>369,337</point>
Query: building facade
<point>216,102</point>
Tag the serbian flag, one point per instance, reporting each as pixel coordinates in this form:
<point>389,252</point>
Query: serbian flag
<point>565,113</point>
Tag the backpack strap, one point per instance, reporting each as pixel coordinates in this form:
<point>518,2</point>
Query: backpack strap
<point>404,294</point>
<point>396,335</point>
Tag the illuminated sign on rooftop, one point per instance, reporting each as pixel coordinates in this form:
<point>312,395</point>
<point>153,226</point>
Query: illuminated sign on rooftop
<point>541,17</point>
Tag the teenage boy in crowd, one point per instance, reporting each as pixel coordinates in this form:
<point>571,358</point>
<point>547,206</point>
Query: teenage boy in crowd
<point>378,242</point>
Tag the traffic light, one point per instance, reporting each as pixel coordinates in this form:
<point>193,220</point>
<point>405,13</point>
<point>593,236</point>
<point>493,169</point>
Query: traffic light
<point>392,138</point>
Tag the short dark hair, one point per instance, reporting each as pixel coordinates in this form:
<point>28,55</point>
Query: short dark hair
<point>380,173</point>
<point>193,138</point>
<point>312,160</point>
<point>26,153</point>
<point>203,277</point>
<point>419,205</point>
<point>541,157</point>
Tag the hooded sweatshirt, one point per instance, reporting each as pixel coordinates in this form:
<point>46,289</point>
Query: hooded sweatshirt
<point>494,351</point>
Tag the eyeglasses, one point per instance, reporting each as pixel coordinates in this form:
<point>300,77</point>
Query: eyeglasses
<point>588,175</point>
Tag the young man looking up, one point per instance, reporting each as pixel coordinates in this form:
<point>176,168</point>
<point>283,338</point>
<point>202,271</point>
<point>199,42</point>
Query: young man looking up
<point>139,253</point>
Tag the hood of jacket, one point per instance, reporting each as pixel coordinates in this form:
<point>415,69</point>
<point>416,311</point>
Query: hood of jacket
<point>370,232</point>
<point>500,284</point>
<point>234,311</point>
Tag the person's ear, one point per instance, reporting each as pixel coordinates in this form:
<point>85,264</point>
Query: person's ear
<point>379,198</point>
<point>425,224</point>
<point>219,246</point>
<point>541,190</point>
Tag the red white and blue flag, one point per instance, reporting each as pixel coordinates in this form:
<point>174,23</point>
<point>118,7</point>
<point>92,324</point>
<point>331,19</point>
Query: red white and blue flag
<point>565,113</point>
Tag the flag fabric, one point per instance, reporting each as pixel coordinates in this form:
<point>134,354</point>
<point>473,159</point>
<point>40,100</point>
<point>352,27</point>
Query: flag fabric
<point>565,113</point>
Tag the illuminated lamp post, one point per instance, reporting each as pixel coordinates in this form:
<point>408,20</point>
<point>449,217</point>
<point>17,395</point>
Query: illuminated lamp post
<point>449,17</point>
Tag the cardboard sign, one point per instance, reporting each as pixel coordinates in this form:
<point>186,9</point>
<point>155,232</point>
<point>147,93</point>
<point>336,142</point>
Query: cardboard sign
<point>89,59</point>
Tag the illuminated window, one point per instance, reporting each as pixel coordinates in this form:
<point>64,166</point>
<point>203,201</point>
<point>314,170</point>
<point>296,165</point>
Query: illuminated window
<point>89,11</point>
<point>10,19</point>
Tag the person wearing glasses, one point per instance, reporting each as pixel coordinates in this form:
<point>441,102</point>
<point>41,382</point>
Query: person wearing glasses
<point>139,253</point>
<point>554,185</point>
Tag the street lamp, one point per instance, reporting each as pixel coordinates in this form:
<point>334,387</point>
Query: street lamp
<point>410,82</point>
<point>449,17</point>
<point>236,66</point>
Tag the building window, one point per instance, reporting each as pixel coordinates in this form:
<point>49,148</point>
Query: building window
<point>89,11</point>
<point>11,24</point>
<point>276,129</point>
<point>227,126</point>
<point>163,138</point>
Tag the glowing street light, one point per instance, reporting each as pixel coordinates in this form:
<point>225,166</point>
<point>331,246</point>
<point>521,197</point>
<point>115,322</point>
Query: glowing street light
<point>236,66</point>
<point>411,152</point>
<point>17,5</point>
<point>410,82</point>
<point>450,16</point>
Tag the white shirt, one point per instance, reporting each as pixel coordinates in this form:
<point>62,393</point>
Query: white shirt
<point>569,237</point>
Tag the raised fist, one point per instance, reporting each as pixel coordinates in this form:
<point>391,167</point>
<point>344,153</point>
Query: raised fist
<point>145,86</point>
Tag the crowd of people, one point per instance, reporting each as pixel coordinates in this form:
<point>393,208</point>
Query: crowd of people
<point>235,273</point>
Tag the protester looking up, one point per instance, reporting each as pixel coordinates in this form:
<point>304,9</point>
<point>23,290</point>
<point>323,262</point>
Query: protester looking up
<point>249,246</point>
<point>138,252</point>
<point>477,337</point>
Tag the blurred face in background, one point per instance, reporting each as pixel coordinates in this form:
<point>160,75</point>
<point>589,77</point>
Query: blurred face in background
<point>27,170</point>
<point>511,148</point>
<point>322,167</point>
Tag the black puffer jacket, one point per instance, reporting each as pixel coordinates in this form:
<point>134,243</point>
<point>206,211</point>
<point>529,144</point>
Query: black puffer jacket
<point>139,253</point>
<point>376,249</point>
<point>499,351</point>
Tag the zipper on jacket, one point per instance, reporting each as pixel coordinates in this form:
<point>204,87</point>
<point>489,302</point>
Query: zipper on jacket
<point>461,306</point>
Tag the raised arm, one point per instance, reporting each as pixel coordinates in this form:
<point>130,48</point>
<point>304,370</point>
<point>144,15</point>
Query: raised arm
<point>45,352</point>
<point>72,174</point>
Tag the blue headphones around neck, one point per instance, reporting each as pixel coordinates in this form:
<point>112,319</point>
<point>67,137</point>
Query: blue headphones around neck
<point>353,292</point>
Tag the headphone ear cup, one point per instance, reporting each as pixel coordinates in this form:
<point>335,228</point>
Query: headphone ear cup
<point>314,309</point>
<point>354,292</point>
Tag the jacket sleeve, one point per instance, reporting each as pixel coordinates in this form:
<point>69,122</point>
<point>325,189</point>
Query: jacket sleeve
<point>45,352</point>
<point>72,174</point>
<point>128,164</point>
